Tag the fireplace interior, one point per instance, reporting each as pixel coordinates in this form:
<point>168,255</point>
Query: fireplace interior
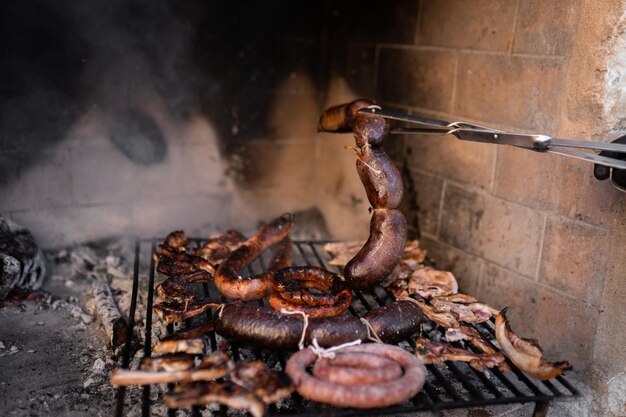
<point>130,119</point>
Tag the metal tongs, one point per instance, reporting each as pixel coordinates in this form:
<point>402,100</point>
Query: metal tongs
<point>477,133</point>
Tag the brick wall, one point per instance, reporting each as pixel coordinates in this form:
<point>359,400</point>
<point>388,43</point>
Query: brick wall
<point>532,231</point>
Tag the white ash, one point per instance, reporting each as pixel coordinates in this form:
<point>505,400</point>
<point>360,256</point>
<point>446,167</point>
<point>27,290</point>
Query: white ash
<point>117,273</point>
<point>98,365</point>
<point>112,261</point>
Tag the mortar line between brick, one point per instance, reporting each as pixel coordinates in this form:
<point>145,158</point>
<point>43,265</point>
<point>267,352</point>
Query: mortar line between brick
<point>515,19</point>
<point>450,49</point>
<point>494,170</point>
<point>541,245</point>
<point>537,283</point>
<point>485,261</point>
<point>486,193</point>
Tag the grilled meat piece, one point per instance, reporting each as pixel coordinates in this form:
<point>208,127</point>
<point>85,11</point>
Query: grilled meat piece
<point>194,332</point>
<point>432,353</point>
<point>169,363</point>
<point>526,354</point>
<point>474,338</point>
<point>172,312</point>
<point>226,393</point>
<point>259,379</point>
<point>444,319</point>
<point>175,242</point>
<point>468,313</point>
<point>186,267</point>
<point>214,366</point>
<point>219,246</point>
<point>191,346</point>
<point>174,290</point>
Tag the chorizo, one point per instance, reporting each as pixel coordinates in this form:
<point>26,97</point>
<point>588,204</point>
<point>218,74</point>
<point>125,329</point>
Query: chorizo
<point>382,394</point>
<point>340,118</point>
<point>266,328</point>
<point>227,278</point>
<point>292,292</point>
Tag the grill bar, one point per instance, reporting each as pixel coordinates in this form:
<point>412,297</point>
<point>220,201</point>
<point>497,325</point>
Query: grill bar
<point>119,407</point>
<point>145,409</point>
<point>451,385</point>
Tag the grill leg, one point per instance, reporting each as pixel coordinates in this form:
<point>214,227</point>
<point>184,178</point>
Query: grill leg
<point>541,409</point>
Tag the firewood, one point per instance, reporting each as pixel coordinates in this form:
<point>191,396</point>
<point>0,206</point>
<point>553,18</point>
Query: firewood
<point>108,313</point>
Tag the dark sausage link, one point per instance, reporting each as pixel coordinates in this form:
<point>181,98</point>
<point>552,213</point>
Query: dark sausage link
<point>382,251</point>
<point>266,328</point>
<point>340,118</point>
<point>369,130</point>
<point>383,185</point>
<point>395,321</point>
<point>380,177</point>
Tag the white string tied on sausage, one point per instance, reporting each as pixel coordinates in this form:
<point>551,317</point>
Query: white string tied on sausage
<point>371,333</point>
<point>358,156</point>
<point>306,324</point>
<point>220,311</point>
<point>330,352</point>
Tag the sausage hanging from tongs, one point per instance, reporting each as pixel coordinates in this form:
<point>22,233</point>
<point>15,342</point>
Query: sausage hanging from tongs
<point>383,185</point>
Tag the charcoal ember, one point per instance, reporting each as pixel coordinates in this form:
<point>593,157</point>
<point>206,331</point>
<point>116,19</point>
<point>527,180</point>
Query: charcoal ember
<point>22,264</point>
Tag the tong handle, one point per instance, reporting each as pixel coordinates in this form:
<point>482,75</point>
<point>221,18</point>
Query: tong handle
<point>534,142</point>
<point>618,176</point>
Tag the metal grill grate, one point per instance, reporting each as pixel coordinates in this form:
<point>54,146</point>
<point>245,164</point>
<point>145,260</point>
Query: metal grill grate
<point>453,385</point>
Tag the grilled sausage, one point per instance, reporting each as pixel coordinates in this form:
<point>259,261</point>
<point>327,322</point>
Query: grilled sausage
<point>357,395</point>
<point>382,251</point>
<point>384,189</point>
<point>340,118</point>
<point>227,278</point>
<point>292,292</point>
<point>380,177</point>
<point>266,328</point>
<point>369,130</point>
<point>356,369</point>
<point>395,321</point>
